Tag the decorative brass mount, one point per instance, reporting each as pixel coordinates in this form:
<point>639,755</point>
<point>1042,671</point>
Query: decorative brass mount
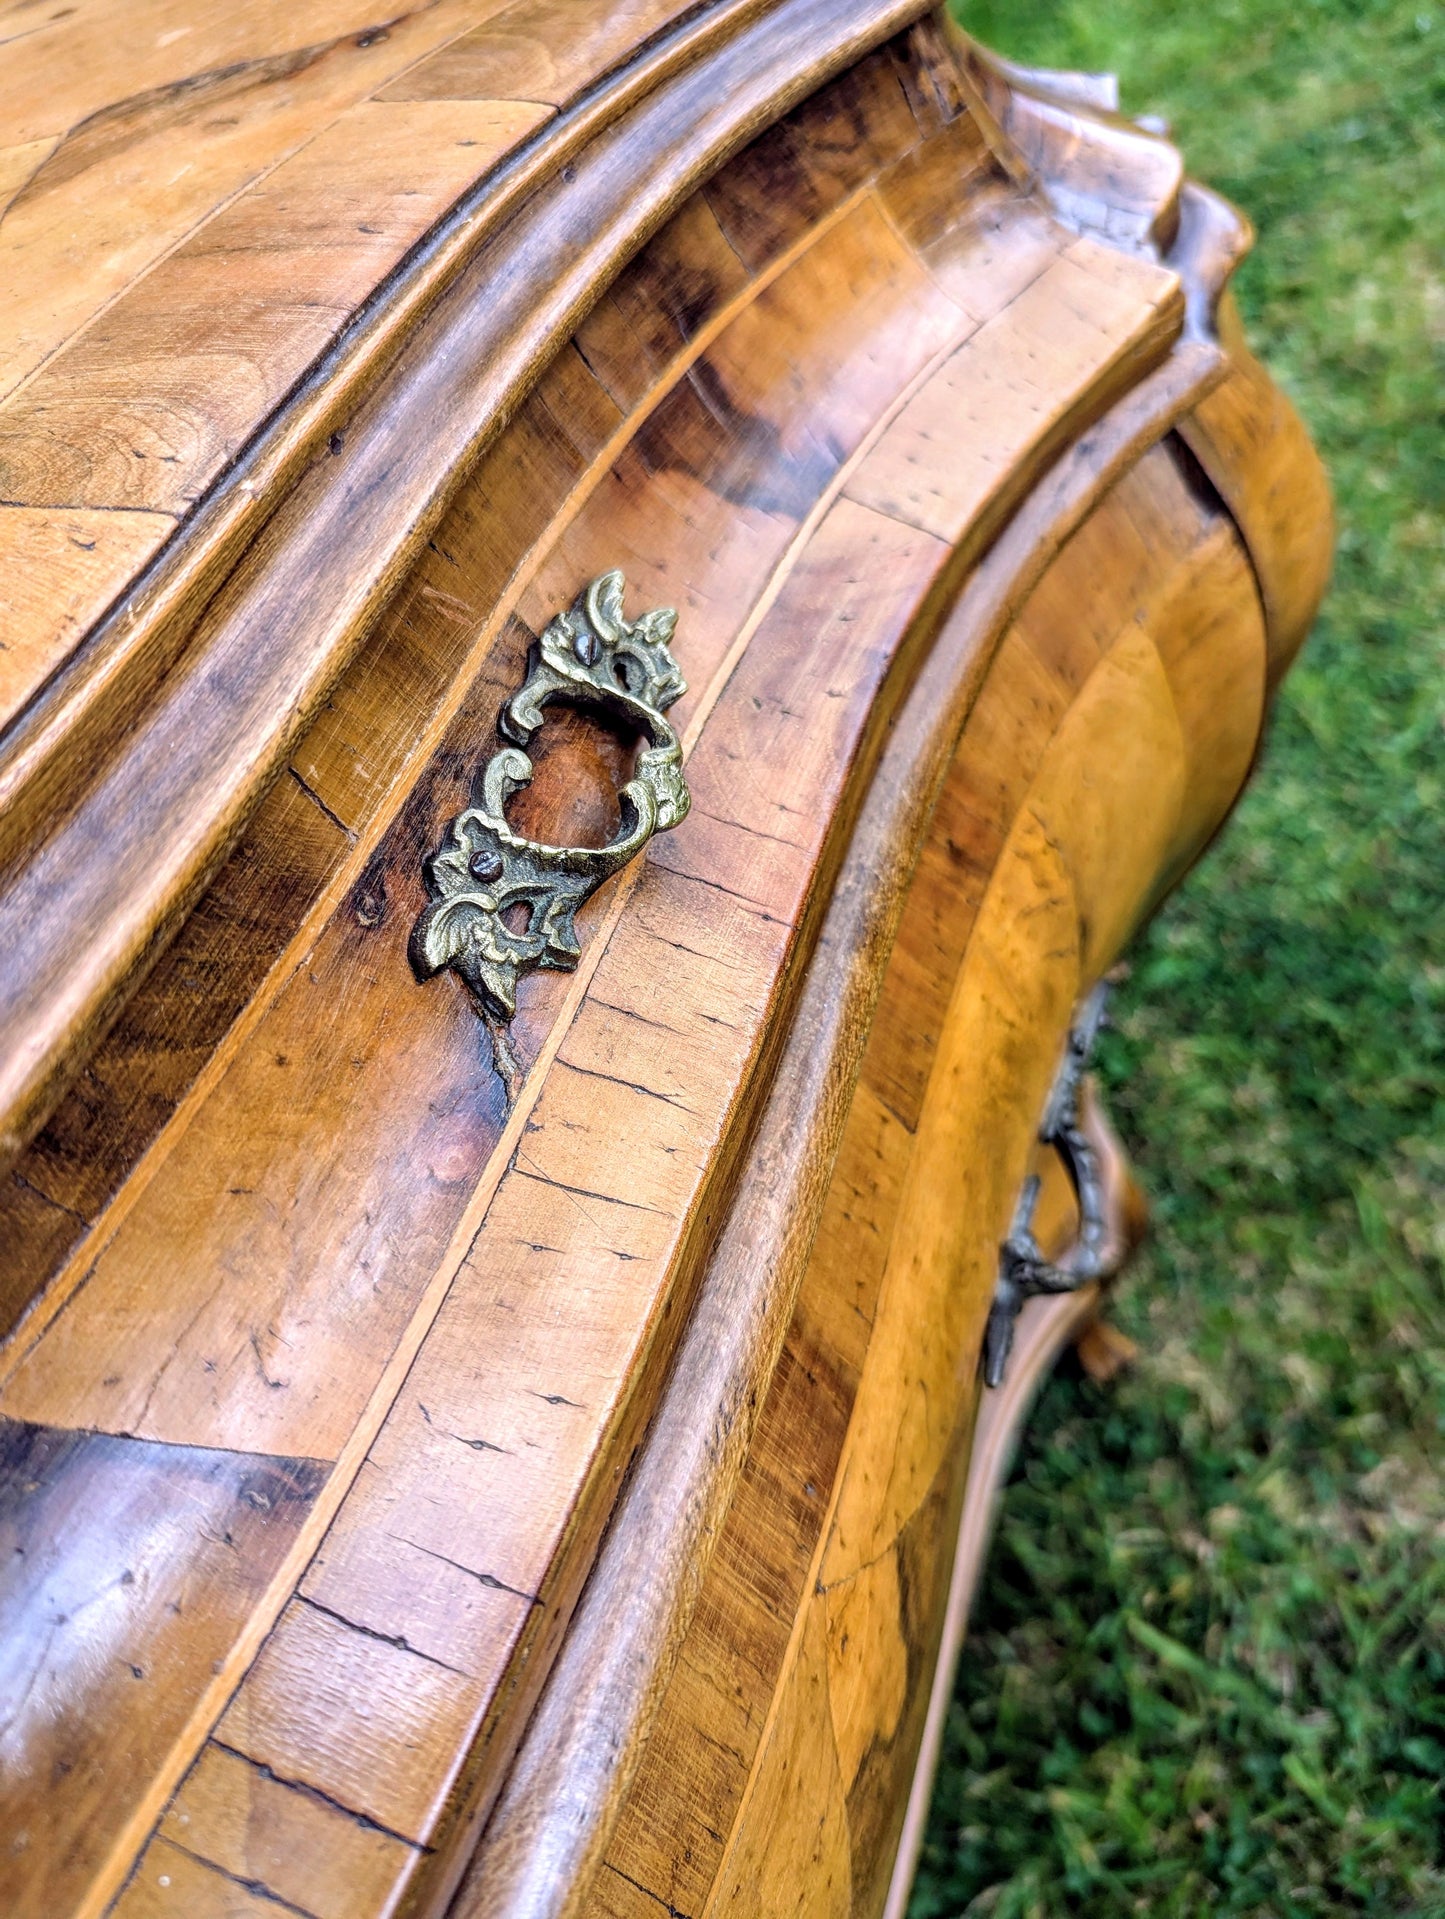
<point>587,656</point>
<point>1023,1271</point>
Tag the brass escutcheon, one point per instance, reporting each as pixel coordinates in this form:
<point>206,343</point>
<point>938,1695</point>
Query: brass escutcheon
<point>587,656</point>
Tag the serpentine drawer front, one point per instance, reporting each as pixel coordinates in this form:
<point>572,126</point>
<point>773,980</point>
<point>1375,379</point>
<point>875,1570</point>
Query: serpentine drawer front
<point>616,612</point>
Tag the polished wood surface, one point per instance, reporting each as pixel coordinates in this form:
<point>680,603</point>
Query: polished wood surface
<point>279,575</point>
<point>167,177</point>
<point>893,1302</point>
<point>332,1366</point>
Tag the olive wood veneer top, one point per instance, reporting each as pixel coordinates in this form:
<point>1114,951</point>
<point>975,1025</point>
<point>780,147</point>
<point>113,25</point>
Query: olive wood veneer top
<point>196,202</point>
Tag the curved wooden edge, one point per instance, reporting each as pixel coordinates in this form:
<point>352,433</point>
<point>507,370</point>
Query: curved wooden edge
<point>549,1830</point>
<point>125,652</point>
<point>1045,1328</point>
<point>128,650</point>
<point>1211,239</point>
<point>1100,173</point>
<point>1253,446</point>
<point>1114,177</point>
<point>90,909</point>
<point>1098,91</point>
<point>369,832</point>
<point>1105,174</point>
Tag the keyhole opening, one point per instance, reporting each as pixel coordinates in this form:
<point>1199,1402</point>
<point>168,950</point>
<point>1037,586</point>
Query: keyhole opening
<point>582,760</point>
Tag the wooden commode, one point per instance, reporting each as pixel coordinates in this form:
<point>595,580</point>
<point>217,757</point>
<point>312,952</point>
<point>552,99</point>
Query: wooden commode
<point>610,617</point>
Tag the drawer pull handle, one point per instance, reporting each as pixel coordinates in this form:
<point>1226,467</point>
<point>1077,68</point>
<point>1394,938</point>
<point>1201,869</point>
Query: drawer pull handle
<point>589,656</point>
<point>1102,1242</point>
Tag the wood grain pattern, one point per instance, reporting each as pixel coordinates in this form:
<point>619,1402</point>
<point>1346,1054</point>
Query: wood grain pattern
<point>573,560</point>
<point>853,348</point>
<point>59,571</point>
<point>168,1032</point>
<point>156,124</point>
<point>361,739</point>
<point>540,1849</point>
<point>845,1611</point>
<point>171,1879</point>
<point>664,1824</point>
<point>163,390</point>
<point>36,1233</point>
<point>1059,637</point>
<point>264,1830</point>
<point>445,1606</point>
<point>810,398</point>
<point>279,636</point>
<point>886,1507</point>
<point>1253,445</point>
<point>305,833</point>
<point>1045,1328</point>
<point>1102,174</point>
<point>416,657</point>
<point>105,1651</point>
<point>594,1219</point>
<point>537,50</point>
<point>800,169</point>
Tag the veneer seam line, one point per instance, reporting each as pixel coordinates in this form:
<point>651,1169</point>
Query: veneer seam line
<point>1178,383</point>
<point>221,206</point>
<point>255,733</point>
<point>288,1576</point>
<point>373,337</point>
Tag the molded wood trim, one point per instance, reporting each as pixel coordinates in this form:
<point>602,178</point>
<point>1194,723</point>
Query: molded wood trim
<point>200,709</point>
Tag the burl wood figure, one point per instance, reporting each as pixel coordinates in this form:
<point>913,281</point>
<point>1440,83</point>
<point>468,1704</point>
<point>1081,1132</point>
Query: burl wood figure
<point>612,615</point>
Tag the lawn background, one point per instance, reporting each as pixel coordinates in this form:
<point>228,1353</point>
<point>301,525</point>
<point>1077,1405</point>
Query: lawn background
<point>1206,1672</point>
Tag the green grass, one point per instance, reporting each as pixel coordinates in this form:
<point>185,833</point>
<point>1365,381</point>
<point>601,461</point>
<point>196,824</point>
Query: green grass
<point>1207,1669</point>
